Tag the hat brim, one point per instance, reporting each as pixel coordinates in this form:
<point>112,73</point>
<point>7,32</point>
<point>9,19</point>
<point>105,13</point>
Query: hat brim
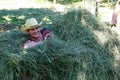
<point>25,28</point>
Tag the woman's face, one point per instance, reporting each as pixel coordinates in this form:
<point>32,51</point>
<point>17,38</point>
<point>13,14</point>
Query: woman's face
<point>34,32</point>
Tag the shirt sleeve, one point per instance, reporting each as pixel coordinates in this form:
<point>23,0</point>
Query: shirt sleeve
<point>45,32</point>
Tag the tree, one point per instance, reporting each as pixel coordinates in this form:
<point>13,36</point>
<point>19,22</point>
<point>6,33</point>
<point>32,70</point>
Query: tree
<point>54,2</point>
<point>96,9</point>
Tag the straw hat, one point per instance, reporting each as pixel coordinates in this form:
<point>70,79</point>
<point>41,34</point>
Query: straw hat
<point>30,23</point>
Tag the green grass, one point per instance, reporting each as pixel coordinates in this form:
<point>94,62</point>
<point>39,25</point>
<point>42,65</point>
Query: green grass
<point>75,53</point>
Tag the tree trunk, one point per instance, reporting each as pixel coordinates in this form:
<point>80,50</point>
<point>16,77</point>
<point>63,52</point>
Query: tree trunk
<point>54,2</point>
<point>96,9</point>
<point>83,1</point>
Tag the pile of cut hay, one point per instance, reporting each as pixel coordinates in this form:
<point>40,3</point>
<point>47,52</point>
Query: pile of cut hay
<point>75,53</point>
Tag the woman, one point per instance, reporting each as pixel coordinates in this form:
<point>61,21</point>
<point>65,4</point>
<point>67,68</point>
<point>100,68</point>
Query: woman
<point>115,14</point>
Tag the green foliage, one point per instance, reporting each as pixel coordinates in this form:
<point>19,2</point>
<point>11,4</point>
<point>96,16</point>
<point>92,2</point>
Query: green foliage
<point>108,0</point>
<point>75,53</point>
<point>66,1</point>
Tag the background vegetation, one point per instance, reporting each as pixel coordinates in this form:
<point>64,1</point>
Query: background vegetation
<point>72,1</point>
